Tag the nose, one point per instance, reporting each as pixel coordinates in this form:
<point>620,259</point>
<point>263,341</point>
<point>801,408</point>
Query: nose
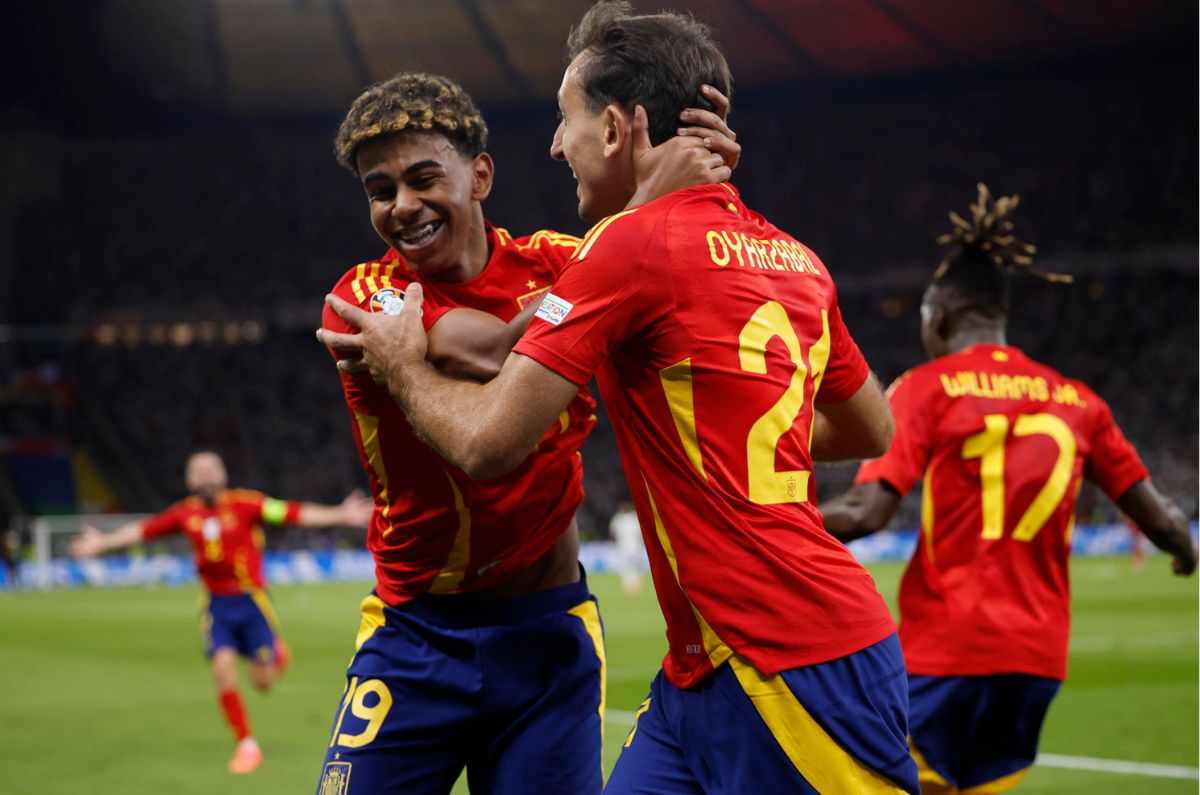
<point>407,204</point>
<point>556,150</point>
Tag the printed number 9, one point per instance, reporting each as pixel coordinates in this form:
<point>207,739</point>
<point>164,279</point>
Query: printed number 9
<point>356,700</point>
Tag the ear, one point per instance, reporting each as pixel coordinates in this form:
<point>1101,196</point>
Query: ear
<point>482,171</point>
<point>618,130</point>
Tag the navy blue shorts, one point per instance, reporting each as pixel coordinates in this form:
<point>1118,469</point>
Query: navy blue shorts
<point>244,622</point>
<point>835,727</point>
<point>511,689</point>
<point>977,731</point>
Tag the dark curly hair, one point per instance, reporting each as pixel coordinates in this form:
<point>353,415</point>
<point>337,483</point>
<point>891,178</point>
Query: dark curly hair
<point>411,102</point>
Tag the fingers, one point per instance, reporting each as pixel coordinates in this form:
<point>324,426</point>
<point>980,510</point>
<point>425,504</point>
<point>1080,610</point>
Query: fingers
<point>720,101</point>
<point>340,341</point>
<point>641,129</point>
<point>709,121</point>
<point>729,149</point>
<point>352,366</point>
<point>346,311</point>
<point>414,296</point>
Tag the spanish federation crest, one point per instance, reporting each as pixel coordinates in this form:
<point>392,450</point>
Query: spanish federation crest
<point>335,780</point>
<point>389,301</point>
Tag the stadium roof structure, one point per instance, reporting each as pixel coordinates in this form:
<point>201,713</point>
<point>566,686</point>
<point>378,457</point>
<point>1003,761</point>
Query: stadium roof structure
<point>311,56</point>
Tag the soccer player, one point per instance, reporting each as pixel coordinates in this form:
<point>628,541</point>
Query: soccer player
<point>724,363</point>
<point>223,525</point>
<point>1000,444</point>
<point>481,640</point>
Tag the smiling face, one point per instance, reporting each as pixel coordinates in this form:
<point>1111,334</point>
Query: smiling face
<point>424,199</point>
<point>596,145</point>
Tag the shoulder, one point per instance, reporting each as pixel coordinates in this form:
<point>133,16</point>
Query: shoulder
<point>362,281</point>
<point>544,241</point>
<point>245,497</point>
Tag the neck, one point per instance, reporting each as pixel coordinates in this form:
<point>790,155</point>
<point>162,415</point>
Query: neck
<point>976,336</point>
<point>474,258</point>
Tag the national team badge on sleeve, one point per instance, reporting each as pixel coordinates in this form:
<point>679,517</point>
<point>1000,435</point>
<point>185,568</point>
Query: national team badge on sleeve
<point>389,301</point>
<point>335,780</point>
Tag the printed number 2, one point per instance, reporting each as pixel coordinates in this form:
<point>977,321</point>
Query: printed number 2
<point>767,485</point>
<point>988,445</point>
<point>356,700</point>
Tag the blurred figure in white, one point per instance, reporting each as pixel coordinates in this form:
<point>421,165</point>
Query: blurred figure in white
<point>631,550</point>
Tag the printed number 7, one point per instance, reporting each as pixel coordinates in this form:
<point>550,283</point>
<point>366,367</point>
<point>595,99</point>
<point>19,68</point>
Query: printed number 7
<point>989,445</point>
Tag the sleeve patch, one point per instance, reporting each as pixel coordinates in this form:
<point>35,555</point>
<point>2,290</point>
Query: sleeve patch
<point>553,309</point>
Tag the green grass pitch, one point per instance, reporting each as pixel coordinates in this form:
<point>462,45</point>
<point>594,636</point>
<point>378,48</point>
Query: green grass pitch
<point>105,691</point>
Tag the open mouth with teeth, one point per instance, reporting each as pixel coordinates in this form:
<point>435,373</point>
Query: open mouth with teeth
<point>418,236</point>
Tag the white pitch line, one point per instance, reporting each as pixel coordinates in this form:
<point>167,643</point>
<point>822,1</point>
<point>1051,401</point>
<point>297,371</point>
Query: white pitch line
<point>1117,766</point>
<point>620,717</point>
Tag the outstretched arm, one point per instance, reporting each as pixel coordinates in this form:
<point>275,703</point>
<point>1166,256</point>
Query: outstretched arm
<point>1162,522</point>
<point>92,542</point>
<point>354,511</point>
<point>484,429</point>
<point>864,509</point>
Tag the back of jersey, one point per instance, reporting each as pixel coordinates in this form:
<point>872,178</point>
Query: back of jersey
<point>1002,444</point>
<point>714,333</point>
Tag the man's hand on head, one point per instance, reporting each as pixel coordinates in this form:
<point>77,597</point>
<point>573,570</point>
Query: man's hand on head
<point>384,344</point>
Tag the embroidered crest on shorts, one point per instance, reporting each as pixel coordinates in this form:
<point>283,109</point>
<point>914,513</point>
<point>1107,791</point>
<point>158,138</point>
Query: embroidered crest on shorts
<point>335,780</point>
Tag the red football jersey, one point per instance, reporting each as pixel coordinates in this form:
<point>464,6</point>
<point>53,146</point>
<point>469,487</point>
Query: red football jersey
<point>435,530</point>
<point>712,333</point>
<point>226,537</point>
<point>1001,443</point>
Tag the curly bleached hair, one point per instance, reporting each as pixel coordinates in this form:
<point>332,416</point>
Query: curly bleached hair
<point>984,251</point>
<point>411,102</point>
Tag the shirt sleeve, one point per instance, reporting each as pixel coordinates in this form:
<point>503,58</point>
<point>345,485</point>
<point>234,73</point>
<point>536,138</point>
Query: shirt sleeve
<point>162,524</point>
<point>906,459</point>
<point>366,294</point>
<point>275,511</point>
<point>601,300</point>
<point>1113,464</point>
<point>846,370</point>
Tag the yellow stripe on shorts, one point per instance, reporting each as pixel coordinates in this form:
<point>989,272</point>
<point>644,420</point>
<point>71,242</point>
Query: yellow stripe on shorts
<point>816,756</point>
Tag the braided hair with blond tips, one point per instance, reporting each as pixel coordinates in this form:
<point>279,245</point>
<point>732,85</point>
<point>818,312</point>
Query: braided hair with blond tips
<point>984,251</point>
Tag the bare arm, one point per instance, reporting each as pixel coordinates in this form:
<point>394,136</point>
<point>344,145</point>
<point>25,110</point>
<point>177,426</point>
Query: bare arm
<point>860,427</point>
<point>92,542</point>
<point>467,343</point>
<point>1162,522</point>
<point>484,429</point>
<point>354,511</point>
<point>864,509</point>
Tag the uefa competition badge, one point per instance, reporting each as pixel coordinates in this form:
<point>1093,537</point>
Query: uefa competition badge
<point>389,301</point>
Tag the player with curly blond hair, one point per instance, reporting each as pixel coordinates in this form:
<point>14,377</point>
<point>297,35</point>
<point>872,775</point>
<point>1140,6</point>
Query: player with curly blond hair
<point>480,646</point>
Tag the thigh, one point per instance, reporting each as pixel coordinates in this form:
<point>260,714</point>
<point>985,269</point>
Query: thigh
<point>545,692</point>
<point>406,720</point>
<point>256,631</point>
<point>217,628</point>
<point>1004,738</point>
<point>652,761</point>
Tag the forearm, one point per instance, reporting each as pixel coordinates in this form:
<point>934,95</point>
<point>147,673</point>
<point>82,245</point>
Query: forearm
<point>1173,534</point>
<point>315,515</point>
<point>449,415</point>
<point>123,537</point>
<point>856,428</point>
<point>865,509</point>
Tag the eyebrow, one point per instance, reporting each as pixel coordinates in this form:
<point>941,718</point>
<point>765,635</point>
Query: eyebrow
<point>415,167</point>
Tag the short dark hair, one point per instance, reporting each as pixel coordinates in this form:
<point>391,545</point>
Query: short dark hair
<point>657,61</point>
<point>411,102</point>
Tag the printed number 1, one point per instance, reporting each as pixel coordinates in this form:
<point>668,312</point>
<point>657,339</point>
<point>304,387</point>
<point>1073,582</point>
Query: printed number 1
<point>989,444</point>
<point>356,701</point>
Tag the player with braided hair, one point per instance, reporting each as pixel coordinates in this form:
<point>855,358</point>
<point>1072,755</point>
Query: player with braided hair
<point>1000,444</point>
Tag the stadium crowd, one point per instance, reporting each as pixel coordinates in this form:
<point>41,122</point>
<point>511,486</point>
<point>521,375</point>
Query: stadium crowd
<point>256,226</point>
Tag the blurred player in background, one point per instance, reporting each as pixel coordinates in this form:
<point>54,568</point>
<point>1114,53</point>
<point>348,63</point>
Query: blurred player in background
<point>481,639</point>
<point>724,363</point>
<point>626,531</point>
<point>238,619</point>
<point>1000,444</point>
